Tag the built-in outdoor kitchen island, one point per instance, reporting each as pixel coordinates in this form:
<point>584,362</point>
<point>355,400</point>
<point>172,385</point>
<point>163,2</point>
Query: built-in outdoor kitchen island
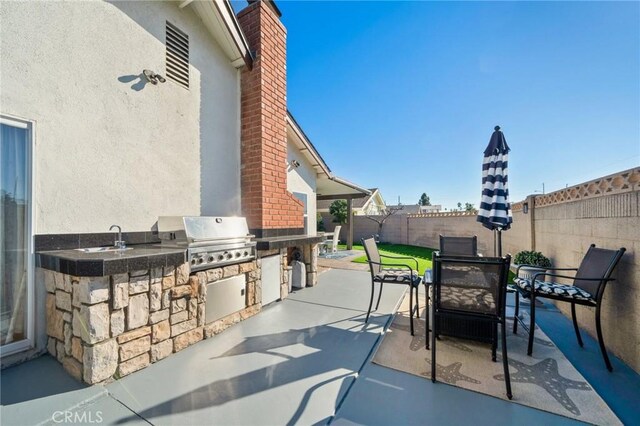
<point>110,312</point>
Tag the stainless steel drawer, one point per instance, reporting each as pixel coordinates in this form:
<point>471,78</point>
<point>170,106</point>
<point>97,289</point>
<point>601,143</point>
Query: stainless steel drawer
<point>225,297</point>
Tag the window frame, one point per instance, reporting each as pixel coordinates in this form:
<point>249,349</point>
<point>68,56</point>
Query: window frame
<point>29,341</point>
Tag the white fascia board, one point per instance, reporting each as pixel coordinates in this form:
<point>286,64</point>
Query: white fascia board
<point>219,19</point>
<point>304,145</point>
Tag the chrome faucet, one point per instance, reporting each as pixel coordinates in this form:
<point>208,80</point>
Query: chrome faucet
<point>119,243</point>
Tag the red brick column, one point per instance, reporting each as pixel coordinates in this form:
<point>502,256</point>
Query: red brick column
<point>270,209</point>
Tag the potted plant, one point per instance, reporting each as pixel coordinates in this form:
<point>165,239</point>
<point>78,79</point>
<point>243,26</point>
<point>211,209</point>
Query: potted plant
<point>535,260</point>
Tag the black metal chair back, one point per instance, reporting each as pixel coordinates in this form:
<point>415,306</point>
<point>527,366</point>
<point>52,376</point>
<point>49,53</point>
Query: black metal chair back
<point>475,289</point>
<point>459,246</point>
<point>465,285</point>
<point>598,262</point>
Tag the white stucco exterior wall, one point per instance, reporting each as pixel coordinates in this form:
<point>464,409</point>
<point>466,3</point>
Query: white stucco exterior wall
<point>109,149</point>
<point>303,179</point>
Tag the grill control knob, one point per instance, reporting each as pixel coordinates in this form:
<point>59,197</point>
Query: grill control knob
<point>210,259</point>
<point>228,256</point>
<point>193,261</point>
<point>238,254</point>
<point>245,254</point>
<point>200,260</point>
<point>220,257</point>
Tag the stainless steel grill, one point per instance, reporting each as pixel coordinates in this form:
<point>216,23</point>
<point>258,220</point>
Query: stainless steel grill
<point>210,241</point>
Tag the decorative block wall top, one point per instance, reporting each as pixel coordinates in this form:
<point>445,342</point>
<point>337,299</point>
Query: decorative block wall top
<point>517,206</point>
<point>618,183</point>
<point>444,214</point>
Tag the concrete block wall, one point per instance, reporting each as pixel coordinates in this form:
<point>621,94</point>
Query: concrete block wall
<point>425,230</point>
<point>564,233</point>
<point>393,231</point>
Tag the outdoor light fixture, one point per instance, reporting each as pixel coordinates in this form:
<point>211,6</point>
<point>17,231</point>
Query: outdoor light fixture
<point>294,163</point>
<point>152,77</point>
<point>525,208</point>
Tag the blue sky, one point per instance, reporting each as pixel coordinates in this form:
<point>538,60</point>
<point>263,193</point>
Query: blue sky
<point>404,95</point>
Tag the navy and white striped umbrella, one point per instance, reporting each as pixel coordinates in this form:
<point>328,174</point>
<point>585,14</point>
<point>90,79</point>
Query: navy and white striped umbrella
<point>495,210</point>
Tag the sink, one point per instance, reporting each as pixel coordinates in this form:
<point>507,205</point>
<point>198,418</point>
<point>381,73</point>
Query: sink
<point>102,249</point>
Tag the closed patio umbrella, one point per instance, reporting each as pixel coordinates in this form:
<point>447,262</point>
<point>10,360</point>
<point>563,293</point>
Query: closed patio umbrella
<point>495,211</point>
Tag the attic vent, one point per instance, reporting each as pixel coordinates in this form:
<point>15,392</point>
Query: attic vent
<point>177,44</point>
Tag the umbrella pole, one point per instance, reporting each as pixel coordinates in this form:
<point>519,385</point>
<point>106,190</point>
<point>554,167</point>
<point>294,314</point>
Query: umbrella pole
<point>499,242</point>
<point>495,249</point>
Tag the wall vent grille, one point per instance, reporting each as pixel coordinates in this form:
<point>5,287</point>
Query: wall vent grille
<point>177,43</point>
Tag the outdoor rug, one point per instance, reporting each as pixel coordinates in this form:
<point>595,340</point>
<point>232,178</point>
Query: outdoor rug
<point>546,381</point>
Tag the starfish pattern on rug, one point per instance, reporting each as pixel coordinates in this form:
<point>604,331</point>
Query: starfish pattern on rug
<point>450,373</point>
<point>418,339</point>
<point>546,375</point>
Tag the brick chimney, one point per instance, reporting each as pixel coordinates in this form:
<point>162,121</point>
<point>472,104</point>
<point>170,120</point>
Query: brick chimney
<point>270,209</point>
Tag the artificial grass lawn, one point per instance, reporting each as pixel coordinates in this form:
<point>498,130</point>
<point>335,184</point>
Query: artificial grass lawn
<point>421,254</point>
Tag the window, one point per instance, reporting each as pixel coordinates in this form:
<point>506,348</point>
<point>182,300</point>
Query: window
<point>16,260</point>
<point>177,43</point>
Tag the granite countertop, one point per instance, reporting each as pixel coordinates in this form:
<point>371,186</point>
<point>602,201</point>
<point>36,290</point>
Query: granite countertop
<point>141,256</point>
<point>138,257</point>
<point>271,243</point>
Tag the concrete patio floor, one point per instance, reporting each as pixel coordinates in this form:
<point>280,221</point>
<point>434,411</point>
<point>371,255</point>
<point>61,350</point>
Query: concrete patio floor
<point>305,360</point>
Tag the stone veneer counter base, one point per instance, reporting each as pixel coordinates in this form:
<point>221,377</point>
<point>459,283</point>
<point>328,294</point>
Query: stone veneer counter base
<point>103,328</point>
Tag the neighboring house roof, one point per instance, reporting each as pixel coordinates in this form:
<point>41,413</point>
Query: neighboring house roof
<point>327,184</point>
<point>219,18</point>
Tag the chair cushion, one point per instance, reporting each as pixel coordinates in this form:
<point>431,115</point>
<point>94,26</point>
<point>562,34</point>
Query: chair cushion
<point>555,289</point>
<point>393,275</point>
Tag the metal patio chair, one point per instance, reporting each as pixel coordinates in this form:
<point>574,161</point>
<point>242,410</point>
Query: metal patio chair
<point>331,242</point>
<point>396,273</point>
<point>473,289</point>
<point>458,246</point>
<point>588,287</point>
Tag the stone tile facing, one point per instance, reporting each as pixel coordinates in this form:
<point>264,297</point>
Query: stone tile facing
<point>103,328</point>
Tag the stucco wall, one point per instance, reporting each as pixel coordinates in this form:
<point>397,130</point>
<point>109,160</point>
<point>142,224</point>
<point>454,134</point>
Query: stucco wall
<point>303,179</point>
<point>109,149</point>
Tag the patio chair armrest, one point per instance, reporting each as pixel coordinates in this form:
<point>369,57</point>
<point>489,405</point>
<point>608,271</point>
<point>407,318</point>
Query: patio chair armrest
<point>542,267</point>
<point>559,269</point>
<point>402,257</point>
<point>394,265</point>
<point>535,277</point>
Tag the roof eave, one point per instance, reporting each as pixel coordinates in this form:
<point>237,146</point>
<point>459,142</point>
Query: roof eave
<point>307,147</point>
<point>219,19</point>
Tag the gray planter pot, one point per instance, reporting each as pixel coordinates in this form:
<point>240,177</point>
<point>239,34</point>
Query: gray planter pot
<point>527,272</point>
